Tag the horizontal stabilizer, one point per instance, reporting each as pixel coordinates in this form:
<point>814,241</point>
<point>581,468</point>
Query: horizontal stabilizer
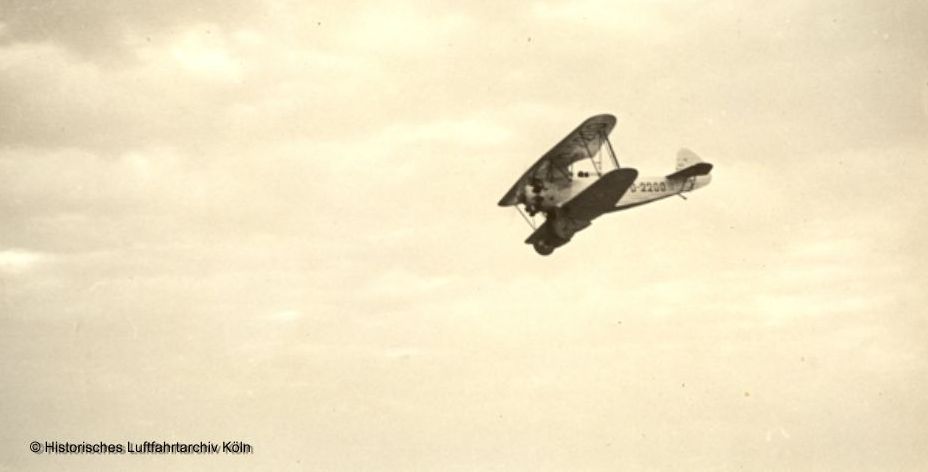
<point>701,168</point>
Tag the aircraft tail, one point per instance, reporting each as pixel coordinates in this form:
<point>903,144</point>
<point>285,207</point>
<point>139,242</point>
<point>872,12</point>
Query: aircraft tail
<point>689,165</point>
<point>686,158</point>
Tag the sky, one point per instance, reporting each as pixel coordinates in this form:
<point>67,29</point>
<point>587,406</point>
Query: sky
<point>276,222</point>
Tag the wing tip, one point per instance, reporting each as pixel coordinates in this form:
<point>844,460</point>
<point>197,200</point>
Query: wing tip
<point>508,200</point>
<point>609,117</point>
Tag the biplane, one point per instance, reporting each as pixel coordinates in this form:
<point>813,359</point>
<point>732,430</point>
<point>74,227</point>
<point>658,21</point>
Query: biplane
<point>570,199</point>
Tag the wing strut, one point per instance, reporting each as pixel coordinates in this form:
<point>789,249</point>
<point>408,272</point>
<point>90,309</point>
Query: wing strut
<point>526,218</point>
<point>615,160</point>
<point>596,164</point>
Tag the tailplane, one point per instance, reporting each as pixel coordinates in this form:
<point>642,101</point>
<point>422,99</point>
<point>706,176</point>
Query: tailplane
<point>689,165</point>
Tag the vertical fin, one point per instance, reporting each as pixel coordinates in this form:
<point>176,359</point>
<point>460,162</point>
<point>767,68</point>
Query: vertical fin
<point>686,158</point>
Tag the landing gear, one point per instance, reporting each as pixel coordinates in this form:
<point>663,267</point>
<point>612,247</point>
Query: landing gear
<point>542,247</point>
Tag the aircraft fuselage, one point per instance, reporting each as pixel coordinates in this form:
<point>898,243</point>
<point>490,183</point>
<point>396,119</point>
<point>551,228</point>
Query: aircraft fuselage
<point>644,190</point>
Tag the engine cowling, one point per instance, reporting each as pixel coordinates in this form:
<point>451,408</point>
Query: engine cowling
<point>537,196</point>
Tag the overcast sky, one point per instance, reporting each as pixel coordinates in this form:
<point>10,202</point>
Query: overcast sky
<point>276,222</point>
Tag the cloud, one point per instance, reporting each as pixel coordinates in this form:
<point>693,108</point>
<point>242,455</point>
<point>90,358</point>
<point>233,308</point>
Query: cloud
<point>639,18</point>
<point>99,31</point>
<point>402,29</point>
<point>17,261</point>
<point>477,132</point>
<point>403,284</point>
<point>202,51</point>
<point>287,316</point>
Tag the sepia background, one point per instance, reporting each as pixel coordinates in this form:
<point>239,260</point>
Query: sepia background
<point>276,222</point>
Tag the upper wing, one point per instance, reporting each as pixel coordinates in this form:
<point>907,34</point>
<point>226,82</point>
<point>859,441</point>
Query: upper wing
<point>581,143</point>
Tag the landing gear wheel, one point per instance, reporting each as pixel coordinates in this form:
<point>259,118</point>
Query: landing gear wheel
<point>543,248</point>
